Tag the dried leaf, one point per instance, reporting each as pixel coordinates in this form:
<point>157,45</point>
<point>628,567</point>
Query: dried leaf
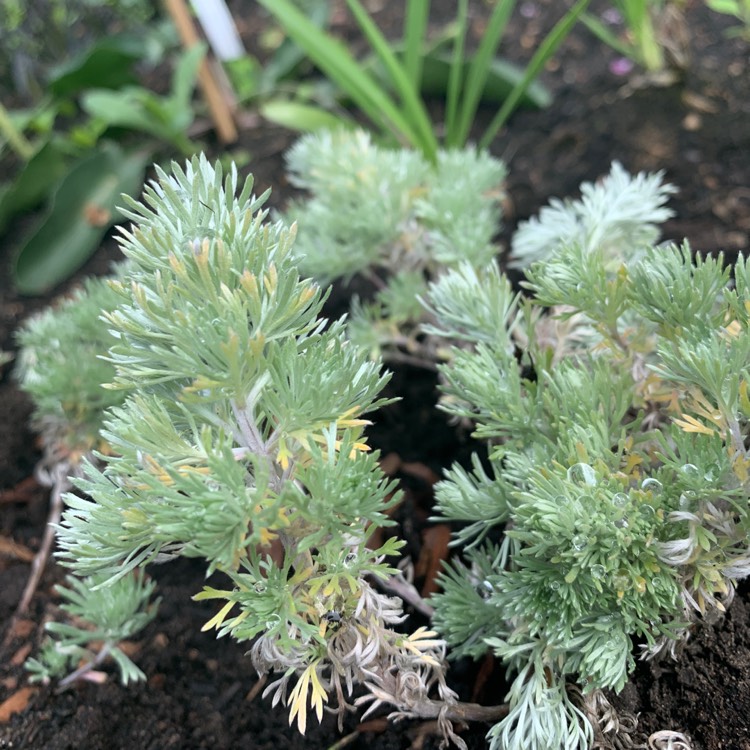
<point>16,703</point>
<point>15,550</point>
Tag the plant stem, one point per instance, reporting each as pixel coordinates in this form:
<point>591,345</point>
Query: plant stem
<point>16,138</point>
<point>61,484</point>
<point>87,667</point>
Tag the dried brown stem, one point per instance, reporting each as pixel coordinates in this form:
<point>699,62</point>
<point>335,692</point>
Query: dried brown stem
<point>60,484</point>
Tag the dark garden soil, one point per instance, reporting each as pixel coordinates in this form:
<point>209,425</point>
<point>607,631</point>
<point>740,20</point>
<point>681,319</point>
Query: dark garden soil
<point>197,691</point>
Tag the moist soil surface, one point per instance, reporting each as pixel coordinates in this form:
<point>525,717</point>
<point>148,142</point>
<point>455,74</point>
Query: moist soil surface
<point>198,690</point>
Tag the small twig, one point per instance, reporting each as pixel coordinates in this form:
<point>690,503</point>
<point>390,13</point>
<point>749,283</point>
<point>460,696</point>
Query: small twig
<point>259,685</point>
<point>459,712</point>
<point>221,112</point>
<point>86,668</point>
<point>411,703</point>
<point>60,485</point>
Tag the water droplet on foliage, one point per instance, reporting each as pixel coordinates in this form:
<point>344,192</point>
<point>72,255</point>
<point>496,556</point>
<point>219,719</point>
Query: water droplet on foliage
<point>597,571</point>
<point>647,511</point>
<point>712,473</point>
<point>651,485</point>
<point>486,589</point>
<point>686,500</point>
<point>621,580</point>
<point>621,523</point>
<point>259,587</point>
<point>690,470</point>
<point>619,500</point>
<point>579,542</point>
<point>582,474</point>
<point>555,585</point>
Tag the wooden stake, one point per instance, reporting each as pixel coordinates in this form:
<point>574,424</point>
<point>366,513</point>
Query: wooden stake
<point>220,110</point>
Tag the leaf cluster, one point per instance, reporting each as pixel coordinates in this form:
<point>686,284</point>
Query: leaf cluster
<point>392,216</point>
<point>393,103</point>
<point>61,366</point>
<point>241,442</point>
<point>615,402</point>
<point>102,615</point>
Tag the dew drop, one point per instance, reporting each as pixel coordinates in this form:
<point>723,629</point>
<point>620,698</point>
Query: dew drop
<point>555,585</point>
<point>686,500</point>
<point>651,485</point>
<point>486,589</point>
<point>259,587</point>
<point>690,470</point>
<point>597,571</point>
<point>582,474</point>
<point>621,523</point>
<point>621,580</point>
<point>619,500</point>
<point>712,473</point>
<point>647,512</point>
<point>579,542</point>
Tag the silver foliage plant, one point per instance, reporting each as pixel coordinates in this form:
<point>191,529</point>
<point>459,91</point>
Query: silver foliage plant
<point>60,366</point>
<point>241,443</point>
<point>614,510</point>
<point>395,218</point>
<point>619,215</point>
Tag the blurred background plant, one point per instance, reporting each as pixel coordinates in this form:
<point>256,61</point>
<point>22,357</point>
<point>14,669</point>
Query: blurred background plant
<point>86,81</point>
<point>615,507</point>
<point>389,88</point>
<point>37,36</point>
<point>58,59</point>
<point>60,366</point>
<point>651,34</point>
<point>740,9</point>
<point>396,219</point>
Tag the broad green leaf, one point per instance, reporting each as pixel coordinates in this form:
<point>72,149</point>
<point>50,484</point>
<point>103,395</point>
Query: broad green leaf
<point>301,117</point>
<point>34,182</point>
<point>502,77</point>
<point>245,74</point>
<point>83,208</point>
<point>107,64</point>
<point>137,108</point>
<point>185,76</point>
